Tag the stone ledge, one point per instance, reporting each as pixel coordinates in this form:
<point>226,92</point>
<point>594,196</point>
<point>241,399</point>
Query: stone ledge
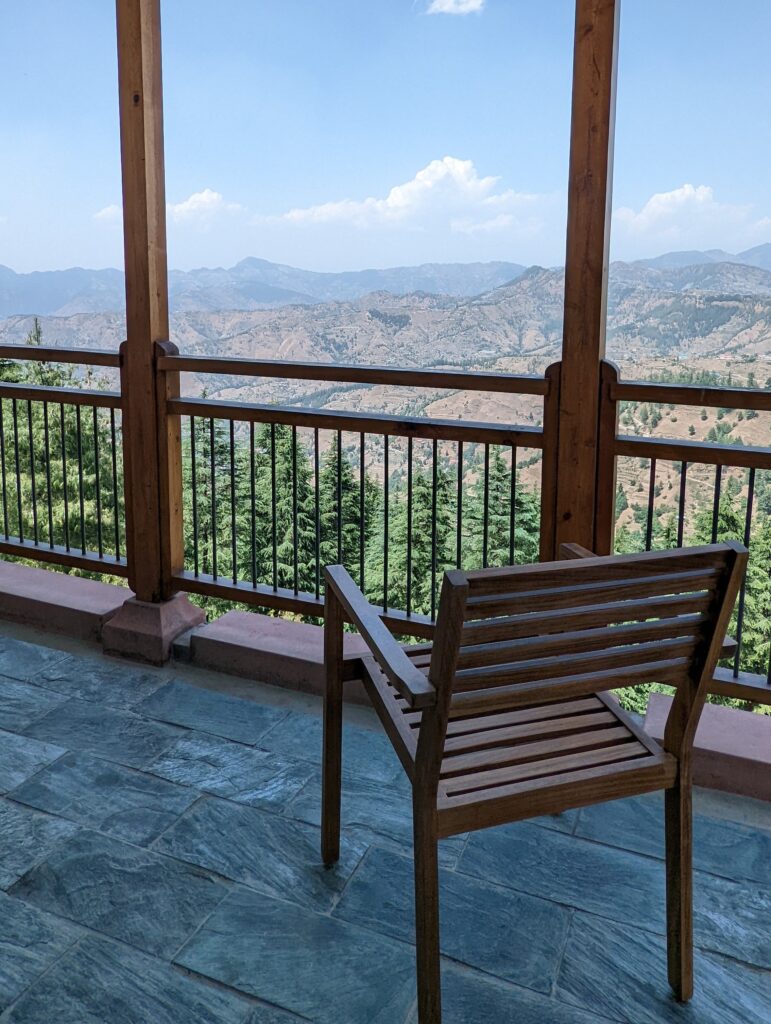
<point>58,602</point>
<point>271,650</point>
<point>732,751</point>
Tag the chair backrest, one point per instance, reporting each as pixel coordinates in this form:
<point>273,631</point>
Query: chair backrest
<point>530,634</point>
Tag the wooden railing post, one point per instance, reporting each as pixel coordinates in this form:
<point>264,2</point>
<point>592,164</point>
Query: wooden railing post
<point>586,266</point>
<point>551,412</point>
<point>605,509</point>
<point>151,440</point>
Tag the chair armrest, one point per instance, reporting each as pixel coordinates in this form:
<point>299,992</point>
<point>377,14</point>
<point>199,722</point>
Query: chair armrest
<point>575,551</point>
<point>411,683</point>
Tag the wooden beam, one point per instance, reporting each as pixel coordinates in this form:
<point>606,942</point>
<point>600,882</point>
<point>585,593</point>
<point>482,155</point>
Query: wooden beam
<point>149,522</point>
<point>586,266</point>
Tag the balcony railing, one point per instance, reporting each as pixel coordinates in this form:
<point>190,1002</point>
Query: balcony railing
<point>270,493</point>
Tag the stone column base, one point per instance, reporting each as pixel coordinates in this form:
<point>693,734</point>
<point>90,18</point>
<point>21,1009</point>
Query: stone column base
<point>145,631</point>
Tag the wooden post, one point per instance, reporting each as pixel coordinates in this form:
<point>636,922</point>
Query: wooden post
<point>551,411</point>
<point>147,624</point>
<point>151,452</point>
<point>586,266</point>
<point>605,509</point>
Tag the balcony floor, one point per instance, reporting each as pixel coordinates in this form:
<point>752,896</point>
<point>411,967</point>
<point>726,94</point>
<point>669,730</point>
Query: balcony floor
<point>159,865</point>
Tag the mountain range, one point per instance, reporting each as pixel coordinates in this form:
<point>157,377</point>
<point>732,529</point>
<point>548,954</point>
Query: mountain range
<point>255,284</point>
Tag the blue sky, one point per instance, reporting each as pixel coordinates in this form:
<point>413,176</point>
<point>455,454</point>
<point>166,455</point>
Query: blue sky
<point>355,133</point>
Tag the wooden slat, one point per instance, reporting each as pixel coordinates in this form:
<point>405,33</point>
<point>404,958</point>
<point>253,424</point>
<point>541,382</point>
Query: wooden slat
<point>551,794</point>
<point>592,593</point>
<point>670,671</point>
<point>623,751</point>
<point>463,723</point>
<point>513,627</point>
<point>575,642</point>
<point>513,735</point>
<point>595,569</point>
<point>628,656</point>
<point>64,396</point>
<point>58,555</point>
<point>393,721</point>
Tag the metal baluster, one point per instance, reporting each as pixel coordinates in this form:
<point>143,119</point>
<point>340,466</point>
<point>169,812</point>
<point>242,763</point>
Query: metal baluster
<point>433,527</point>
<point>47,443</point>
<point>651,497</point>
<point>362,512</point>
<point>32,471</point>
<point>253,496</point>
<point>408,608</point>
<point>194,494</point>
<point>97,484</point>
<point>64,478</point>
<point>385,522</point>
<point>459,515</point>
<point>81,495</point>
<point>513,506</point>
<point>743,589</point>
<point>681,505</point>
<point>486,508</point>
<point>115,496</point>
<point>233,534</point>
<point>2,469</point>
<point>716,501</point>
<point>317,499</point>
<point>295,536</point>
<point>18,468</point>
<point>273,498</point>
<point>213,497</point>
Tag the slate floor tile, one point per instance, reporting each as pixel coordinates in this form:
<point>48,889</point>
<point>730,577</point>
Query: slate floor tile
<point>325,970</point>
<point>22,660</point>
<point>105,796</point>
<point>366,752</point>
<point>115,735</point>
<point>134,895</point>
<point>217,713</point>
<point>269,853</point>
<point>26,838</point>
<point>259,778</point>
<point>101,983</point>
<point>100,680</point>
<point>21,756</point>
<point>720,847</point>
<point>621,972</point>
<point>472,998</point>
<point>729,917</point>
<point>373,811</point>
<point>21,703</point>
<point>512,935</point>
<point>30,941</point>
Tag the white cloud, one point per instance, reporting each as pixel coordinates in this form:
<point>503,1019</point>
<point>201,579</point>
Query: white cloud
<point>687,217</point>
<point>456,6</point>
<point>447,190</point>
<point>201,208</point>
<point>109,214</point>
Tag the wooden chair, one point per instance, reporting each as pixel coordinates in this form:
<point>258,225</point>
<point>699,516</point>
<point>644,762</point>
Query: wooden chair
<point>506,716</point>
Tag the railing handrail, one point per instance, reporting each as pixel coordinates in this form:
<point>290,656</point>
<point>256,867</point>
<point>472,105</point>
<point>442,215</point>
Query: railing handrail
<point>360,422</point>
<point>508,383</point>
<point>706,453</point>
<point>712,396</point>
<point>59,395</point>
<point>53,354</point>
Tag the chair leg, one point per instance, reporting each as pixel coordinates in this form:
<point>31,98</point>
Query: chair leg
<point>331,775</point>
<point>331,780</point>
<point>679,853</point>
<point>427,915</point>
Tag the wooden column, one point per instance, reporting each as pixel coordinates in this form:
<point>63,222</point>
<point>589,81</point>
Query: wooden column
<point>151,446</point>
<point>586,267</point>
